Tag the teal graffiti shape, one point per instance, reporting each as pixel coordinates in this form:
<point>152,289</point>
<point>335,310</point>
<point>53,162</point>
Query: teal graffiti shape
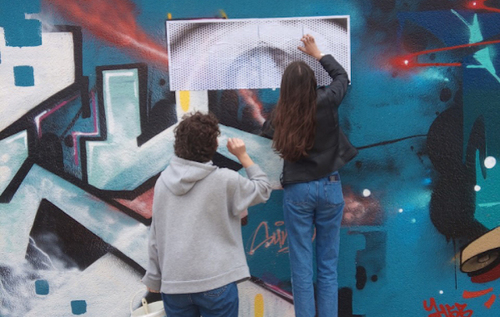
<point>42,287</point>
<point>24,76</point>
<point>78,307</point>
<point>20,31</point>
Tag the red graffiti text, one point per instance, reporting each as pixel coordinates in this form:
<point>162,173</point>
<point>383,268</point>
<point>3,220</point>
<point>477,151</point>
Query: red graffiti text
<point>457,310</point>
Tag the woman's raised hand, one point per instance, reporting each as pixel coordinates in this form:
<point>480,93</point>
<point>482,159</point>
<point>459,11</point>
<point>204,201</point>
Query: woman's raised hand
<point>310,47</point>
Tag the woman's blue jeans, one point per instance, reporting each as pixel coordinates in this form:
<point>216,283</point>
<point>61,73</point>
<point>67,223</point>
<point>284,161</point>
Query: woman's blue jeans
<point>219,302</point>
<point>319,204</point>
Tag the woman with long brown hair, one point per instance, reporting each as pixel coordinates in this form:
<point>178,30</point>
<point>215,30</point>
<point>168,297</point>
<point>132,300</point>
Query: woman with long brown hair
<point>305,130</point>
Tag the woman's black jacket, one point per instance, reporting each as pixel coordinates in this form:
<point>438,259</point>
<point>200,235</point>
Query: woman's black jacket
<point>331,149</point>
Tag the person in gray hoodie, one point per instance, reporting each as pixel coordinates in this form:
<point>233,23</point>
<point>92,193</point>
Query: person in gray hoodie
<point>196,253</point>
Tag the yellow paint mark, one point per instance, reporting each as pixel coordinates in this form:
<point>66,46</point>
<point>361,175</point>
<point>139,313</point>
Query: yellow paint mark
<point>184,99</point>
<point>223,14</point>
<point>259,305</point>
<point>169,16</point>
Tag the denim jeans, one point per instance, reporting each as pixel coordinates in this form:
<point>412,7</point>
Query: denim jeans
<point>219,302</point>
<point>318,203</point>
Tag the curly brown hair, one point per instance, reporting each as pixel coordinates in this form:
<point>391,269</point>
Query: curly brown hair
<point>196,137</point>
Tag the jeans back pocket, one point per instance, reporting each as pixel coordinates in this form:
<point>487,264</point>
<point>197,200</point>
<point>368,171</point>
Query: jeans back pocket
<point>215,292</point>
<point>333,193</point>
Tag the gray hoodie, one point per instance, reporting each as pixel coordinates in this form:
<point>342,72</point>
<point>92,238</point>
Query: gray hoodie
<point>195,241</point>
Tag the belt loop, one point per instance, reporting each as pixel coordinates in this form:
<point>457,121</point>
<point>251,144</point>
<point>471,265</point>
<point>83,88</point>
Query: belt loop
<point>334,177</point>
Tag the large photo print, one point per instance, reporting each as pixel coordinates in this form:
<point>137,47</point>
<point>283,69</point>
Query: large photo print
<point>249,53</point>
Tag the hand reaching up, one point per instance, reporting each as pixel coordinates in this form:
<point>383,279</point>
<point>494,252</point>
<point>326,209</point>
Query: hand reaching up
<point>310,47</point>
<point>237,148</point>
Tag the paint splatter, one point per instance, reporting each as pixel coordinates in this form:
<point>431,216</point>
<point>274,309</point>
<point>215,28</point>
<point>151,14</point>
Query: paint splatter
<point>259,305</point>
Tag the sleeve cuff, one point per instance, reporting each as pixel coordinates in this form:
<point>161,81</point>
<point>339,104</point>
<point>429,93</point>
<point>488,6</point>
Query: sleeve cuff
<point>253,170</point>
<point>152,284</point>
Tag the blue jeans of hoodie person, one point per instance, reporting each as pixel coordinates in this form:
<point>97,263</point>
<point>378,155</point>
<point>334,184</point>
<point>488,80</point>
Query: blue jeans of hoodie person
<point>318,203</point>
<point>219,302</point>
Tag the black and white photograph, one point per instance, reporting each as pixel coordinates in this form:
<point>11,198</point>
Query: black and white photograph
<point>213,54</point>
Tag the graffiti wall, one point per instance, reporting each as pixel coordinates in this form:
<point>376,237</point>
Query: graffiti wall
<point>86,126</point>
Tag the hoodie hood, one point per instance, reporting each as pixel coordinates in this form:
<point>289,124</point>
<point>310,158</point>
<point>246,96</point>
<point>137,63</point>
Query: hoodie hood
<point>181,175</point>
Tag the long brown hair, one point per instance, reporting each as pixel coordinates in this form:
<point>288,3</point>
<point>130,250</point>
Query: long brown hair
<point>294,118</point>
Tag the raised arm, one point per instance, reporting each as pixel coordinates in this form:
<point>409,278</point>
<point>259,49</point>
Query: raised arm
<point>338,87</point>
<point>247,191</point>
<point>237,148</point>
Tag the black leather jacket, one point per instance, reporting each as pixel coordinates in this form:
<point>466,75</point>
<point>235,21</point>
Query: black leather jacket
<point>331,149</point>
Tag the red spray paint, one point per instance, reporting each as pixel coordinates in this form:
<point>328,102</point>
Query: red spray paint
<point>113,21</point>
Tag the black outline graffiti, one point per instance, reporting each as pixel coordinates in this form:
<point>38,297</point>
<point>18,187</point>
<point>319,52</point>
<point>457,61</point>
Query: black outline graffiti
<point>79,87</point>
